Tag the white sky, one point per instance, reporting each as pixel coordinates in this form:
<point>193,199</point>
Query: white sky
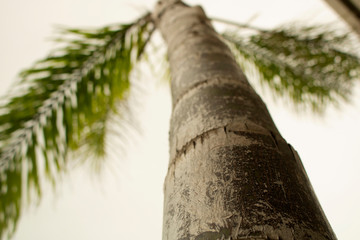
<point>126,201</point>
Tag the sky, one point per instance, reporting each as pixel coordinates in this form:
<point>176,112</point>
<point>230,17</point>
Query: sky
<point>125,201</point>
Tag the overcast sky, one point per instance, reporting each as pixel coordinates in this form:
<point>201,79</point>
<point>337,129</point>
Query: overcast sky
<point>125,202</point>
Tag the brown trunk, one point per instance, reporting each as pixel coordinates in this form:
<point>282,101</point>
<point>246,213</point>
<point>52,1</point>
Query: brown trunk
<point>231,174</point>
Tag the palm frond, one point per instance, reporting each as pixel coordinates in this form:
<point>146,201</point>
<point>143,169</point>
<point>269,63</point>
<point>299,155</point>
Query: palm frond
<point>63,103</point>
<point>308,64</point>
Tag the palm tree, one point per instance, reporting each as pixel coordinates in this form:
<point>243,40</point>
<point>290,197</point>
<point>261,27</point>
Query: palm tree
<point>70,88</point>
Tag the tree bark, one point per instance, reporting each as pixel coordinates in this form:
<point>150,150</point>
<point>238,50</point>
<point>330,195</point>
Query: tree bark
<point>231,175</point>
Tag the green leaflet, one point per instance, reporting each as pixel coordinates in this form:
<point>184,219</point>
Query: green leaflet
<point>306,64</point>
<point>68,99</point>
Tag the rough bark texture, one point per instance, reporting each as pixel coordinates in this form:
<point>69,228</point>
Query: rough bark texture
<point>231,174</point>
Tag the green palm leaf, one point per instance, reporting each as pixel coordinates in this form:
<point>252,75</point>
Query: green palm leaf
<point>64,103</point>
<point>306,64</point>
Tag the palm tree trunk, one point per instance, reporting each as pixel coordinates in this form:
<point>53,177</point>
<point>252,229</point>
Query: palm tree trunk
<point>231,174</point>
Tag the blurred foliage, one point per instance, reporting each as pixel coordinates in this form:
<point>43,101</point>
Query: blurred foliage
<point>64,103</point>
<point>310,65</point>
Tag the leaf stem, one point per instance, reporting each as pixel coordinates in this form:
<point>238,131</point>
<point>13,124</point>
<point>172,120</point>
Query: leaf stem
<point>239,25</point>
